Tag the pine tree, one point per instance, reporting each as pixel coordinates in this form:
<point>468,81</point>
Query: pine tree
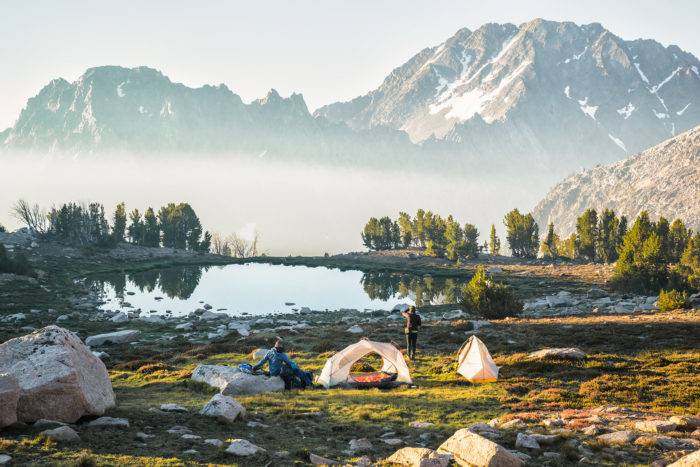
<point>641,265</point>
<point>494,242</point>
<point>587,234</point>
<point>690,261</point>
<point>371,234</point>
<point>119,223</point>
<point>471,241</point>
<point>455,240</point>
<point>419,228</point>
<point>550,243</point>
<point>151,234</point>
<point>405,229</point>
<point>678,237</point>
<point>136,228</point>
<point>522,234</point>
<point>608,237</point>
<point>662,230</point>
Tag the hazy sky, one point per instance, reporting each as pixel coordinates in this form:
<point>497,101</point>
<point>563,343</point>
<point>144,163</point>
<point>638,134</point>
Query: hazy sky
<point>328,50</point>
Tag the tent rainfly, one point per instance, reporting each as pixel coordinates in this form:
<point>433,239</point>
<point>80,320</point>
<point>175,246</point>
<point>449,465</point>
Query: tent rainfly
<point>475,362</point>
<point>336,371</point>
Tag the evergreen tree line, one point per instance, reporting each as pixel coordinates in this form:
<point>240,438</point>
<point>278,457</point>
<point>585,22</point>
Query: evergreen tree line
<point>175,226</point>
<point>445,237</point>
<point>80,224</point>
<point>437,236</point>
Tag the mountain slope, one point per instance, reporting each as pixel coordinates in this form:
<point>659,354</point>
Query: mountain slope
<point>664,180</point>
<point>115,109</point>
<point>555,93</point>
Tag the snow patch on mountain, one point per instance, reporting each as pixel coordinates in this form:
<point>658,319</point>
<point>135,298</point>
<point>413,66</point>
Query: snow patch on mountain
<point>618,141</point>
<point>627,110</point>
<point>682,111</point>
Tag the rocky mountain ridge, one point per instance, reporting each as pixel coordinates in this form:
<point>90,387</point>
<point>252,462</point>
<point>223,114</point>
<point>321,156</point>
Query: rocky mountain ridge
<point>556,93</point>
<point>664,180</point>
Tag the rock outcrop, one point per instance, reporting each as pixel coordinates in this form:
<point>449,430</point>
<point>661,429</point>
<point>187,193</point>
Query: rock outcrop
<point>663,180</point>
<point>231,381</point>
<point>59,378</point>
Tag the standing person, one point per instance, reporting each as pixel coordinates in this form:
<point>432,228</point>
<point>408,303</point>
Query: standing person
<point>413,322</point>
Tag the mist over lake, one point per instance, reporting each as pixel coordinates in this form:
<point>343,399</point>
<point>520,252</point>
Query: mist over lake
<point>297,210</point>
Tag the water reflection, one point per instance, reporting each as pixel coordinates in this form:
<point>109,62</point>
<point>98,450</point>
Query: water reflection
<point>264,289</point>
<point>423,290</point>
<point>175,283</point>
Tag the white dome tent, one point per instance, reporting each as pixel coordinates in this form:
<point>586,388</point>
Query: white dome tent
<point>336,371</point>
<point>475,363</point>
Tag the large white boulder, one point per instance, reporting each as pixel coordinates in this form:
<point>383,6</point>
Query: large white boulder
<point>470,449</point>
<point>59,378</point>
<point>231,381</point>
<point>117,337</point>
<point>9,397</point>
<point>223,408</point>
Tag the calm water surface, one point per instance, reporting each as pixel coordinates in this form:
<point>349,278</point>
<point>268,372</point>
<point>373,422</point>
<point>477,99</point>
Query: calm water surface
<point>261,289</point>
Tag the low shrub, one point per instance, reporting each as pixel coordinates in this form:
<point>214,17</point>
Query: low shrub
<point>489,299</point>
<point>17,264</point>
<point>672,300</point>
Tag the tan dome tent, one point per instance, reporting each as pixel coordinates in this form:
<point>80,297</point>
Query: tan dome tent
<point>475,363</point>
<point>336,371</point>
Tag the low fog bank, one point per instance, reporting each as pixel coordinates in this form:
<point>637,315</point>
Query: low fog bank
<point>297,210</point>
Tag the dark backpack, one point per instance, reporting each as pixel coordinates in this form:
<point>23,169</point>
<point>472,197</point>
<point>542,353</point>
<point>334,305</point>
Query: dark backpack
<point>414,321</point>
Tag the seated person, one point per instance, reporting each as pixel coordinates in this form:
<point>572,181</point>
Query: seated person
<point>283,366</point>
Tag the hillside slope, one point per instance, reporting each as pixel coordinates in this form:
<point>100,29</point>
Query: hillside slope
<point>664,180</point>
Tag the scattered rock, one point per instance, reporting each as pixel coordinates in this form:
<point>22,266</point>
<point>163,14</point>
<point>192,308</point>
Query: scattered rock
<point>526,441</point>
<point>617,438</point>
<point>109,422</point>
<point>172,408</point>
<point>231,381</point>
<point>655,426</point>
<point>179,430</point>
<point>118,337</point>
<point>392,441</point>
<point>418,424</point>
<point>243,447</point>
<point>319,460</point>
<point>417,457</point>
<point>190,437</point>
<point>469,448</point>
<point>685,421</point>
<point>217,443</point>
<point>9,398</point>
<point>361,444</point>
<point>120,317</point>
<point>212,316</point>
<point>58,376</point>
<point>545,439</point>
<point>44,423</point>
<point>5,459</point>
<point>355,329</point>
<point>141,436</point>
<point>570,353</point>
<point>223,408</point>
<point>63,434</point>
<point>184,327</point>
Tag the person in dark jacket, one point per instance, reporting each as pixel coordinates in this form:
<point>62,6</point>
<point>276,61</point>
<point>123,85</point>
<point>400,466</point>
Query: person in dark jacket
<point>413,323</point>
